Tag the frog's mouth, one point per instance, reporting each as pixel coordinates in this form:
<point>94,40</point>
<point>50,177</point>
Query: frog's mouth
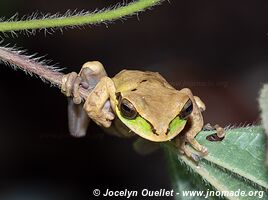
<point>143,128</point>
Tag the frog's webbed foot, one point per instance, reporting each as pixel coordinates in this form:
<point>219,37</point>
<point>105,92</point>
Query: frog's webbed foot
<point>98,103</point>
<point>72,82</point>
<point>218,136</point>
<point>70,86</point>
<point>77,118</point>
<point>103,118</point>
<point>88,77</point>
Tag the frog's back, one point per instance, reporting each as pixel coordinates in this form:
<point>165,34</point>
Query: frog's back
<point>127,80</point>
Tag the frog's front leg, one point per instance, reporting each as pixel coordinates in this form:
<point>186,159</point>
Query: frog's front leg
<point>98,103</point>
<point>208,127</point>
<point>201,105</point>
<point>193,127</point>
<point>88,77</point>
<point>218,136</point>
<point>180,142</point>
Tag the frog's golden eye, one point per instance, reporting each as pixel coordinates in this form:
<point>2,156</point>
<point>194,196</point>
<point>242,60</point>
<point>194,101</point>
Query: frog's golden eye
<point>186,110</point>
<point>127,109</point>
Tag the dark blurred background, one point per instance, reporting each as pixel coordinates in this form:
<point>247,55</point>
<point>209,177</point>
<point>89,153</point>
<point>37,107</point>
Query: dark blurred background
<point>217,48</point>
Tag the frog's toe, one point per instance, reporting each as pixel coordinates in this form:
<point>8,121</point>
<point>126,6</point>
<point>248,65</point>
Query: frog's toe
<point>104,122</point>
<point>208,127</point>
<point>106,111</point>
<point>220,131</point>
<point>104,119</point>
<point>77,99</point>
<point>198,147</point>
<point>204,150</point>
<point>108,116</point>
<point>195,157</point>
<point>70,86</point>
<point>67,83</point>
<point>184,150</point>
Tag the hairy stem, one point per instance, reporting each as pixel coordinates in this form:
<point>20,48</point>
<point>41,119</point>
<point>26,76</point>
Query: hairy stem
<point>79,19</point>
<point>31,66</point>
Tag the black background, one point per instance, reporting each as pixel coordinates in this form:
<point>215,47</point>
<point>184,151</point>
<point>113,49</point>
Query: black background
<point>217,48</point>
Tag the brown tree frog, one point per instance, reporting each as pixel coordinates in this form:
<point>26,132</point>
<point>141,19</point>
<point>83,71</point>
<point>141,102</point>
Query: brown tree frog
<point>134,103</point>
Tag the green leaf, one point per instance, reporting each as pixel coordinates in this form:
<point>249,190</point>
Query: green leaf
<point>234,164</point>
<point>263,104</point>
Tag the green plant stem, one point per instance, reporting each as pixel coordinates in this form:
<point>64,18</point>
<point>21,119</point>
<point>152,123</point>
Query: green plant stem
<point>78,20</point>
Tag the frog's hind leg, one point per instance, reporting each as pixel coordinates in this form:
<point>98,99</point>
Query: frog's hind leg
<point>77,119</point>
<point>195,125</point>
<point>189,137</point>
<point>88,77</point>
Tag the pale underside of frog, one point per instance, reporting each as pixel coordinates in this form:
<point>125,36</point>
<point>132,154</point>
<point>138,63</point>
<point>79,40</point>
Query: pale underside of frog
<point>135,103</point>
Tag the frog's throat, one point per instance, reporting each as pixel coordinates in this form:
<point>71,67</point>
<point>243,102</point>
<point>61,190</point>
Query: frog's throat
<point>143,128</point>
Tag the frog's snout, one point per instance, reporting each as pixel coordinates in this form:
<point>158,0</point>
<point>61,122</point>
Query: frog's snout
<point>168,132</point>
<point>160,131</point>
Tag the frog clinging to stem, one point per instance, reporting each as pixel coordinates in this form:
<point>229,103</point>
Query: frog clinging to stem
<point>135,103</point>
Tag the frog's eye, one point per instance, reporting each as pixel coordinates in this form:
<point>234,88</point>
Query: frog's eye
<point>186,110</point>
<point>127,109</point>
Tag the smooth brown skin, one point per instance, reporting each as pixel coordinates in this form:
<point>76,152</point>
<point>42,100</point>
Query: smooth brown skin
<point>152,96</point>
